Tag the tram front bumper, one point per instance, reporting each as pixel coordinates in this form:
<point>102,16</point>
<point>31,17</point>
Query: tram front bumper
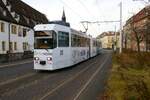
<point>43,65</point>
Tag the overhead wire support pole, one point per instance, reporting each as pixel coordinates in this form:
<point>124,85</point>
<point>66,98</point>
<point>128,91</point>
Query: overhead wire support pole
<point>120,51</point>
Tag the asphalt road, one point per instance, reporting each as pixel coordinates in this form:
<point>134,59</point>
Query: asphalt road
<point>84,81</point>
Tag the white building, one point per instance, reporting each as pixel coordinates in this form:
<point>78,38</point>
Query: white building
<point>17,20</point>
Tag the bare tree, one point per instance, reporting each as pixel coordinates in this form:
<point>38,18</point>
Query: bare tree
<point>127,36</point>
<point>148,34</point>
<point>139,36</point>
<point>125,40</point>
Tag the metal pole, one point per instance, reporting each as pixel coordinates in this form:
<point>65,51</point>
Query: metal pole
<point>115,40</point>
<point>120,27</point>
<point>8,53</point>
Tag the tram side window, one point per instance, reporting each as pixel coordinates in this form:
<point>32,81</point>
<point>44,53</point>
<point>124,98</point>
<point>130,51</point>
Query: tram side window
<point>75,41</point>
<point>88,42</point>
<point>94,43</point>
<point>63,39</point>
<point>84,42</point>
<point>79,41</point>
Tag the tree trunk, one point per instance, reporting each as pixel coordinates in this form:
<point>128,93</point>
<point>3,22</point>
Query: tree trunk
<point>137,40</point>
<point>138,46</point>
<point>125,42</point>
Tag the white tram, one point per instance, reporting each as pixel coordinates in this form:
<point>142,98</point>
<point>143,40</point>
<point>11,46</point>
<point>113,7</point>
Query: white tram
<point>59,46</point>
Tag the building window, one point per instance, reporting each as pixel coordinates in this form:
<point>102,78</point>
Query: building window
<point>25,46</point>
<point>15,45</point>
<point>11,46</point>
<point>3,45</point>
<point>20,31</point>
<point>24,32</point>
<point>63,39</point>
<point>2,27</point>
<point>14,29</point>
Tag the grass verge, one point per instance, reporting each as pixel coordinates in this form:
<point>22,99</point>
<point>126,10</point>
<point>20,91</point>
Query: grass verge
<point>129,78</point>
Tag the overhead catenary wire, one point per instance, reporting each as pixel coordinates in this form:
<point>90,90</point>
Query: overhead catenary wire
<point>85,7</point>
<point>71,9</point>
<point>77,14</point>
<point>87,10</point>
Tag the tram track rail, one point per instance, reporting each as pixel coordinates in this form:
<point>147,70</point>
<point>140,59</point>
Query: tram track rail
<point>80,79</point>
<point>64,82</point>
<point>9,89</point>
<point>67,84</point>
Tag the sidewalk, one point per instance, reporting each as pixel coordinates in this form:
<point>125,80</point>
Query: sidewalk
<point>18,62</point>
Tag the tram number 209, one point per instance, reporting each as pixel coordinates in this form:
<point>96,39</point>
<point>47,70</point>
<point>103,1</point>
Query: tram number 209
<point>61,52</point>
<point>82,53</point>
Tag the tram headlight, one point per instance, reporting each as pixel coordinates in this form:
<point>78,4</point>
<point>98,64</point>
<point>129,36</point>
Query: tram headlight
<point>36,58</point>
<point>49,58</point>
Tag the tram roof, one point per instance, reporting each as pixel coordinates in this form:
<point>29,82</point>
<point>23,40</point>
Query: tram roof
<point>60,23</point>
<point>80,33</point>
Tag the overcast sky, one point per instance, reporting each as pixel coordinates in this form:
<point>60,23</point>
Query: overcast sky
<point>88,10</point>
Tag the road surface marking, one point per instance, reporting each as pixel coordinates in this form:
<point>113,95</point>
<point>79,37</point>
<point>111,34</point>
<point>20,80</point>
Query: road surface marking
<point>8,65</point>
<point>65,82</point>
<point>88,82</point>
<point>18,78</point>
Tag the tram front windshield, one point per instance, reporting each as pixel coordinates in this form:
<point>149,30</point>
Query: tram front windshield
<point>45,40</point>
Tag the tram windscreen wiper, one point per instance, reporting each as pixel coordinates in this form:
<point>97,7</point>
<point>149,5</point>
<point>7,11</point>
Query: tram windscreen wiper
<point>46,49</point>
